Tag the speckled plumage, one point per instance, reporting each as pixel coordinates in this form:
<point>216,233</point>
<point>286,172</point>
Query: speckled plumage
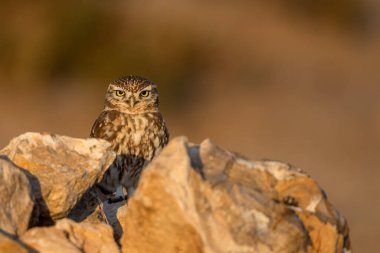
<point>135,127</point>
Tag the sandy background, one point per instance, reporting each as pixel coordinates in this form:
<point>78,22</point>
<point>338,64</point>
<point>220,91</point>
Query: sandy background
<point>297,81</point>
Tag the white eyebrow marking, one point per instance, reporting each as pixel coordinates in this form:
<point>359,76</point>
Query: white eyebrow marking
<point>149,88</point>
<point>113,87</point>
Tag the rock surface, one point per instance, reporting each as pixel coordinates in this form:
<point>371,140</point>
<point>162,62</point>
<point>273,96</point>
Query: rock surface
<point>204,199</point>
<point>191,198</point>
<point>70,237</point>
<point>16,203</point>
<point>61,169</point>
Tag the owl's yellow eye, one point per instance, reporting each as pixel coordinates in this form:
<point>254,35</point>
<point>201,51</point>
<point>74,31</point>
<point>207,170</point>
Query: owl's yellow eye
<point>144,93</point>
<point>120,93</point>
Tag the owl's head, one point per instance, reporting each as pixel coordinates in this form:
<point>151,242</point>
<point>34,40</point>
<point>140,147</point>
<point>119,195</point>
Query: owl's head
<point>132,94</point>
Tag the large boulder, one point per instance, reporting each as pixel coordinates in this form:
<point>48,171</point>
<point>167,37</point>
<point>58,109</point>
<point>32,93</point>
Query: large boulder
<point>61,169</point>
<point>70,237</point>
<point>16,202</point>
<point>201,198</point>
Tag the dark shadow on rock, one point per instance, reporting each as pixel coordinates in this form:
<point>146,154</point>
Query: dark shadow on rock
<point>94,207</point>
<point>87,206</point>
<point>195,160</point>
<point>41,214</point>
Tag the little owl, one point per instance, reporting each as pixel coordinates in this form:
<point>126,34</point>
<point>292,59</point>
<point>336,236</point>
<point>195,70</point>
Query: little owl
<point>131,122</point>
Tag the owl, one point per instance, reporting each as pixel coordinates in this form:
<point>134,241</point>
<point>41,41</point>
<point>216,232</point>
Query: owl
<point>132,123</point>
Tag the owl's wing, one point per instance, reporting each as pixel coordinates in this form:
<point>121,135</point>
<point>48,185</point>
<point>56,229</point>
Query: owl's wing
<point>167,135</point>
<point>106,125</point>
<point>97,130</point>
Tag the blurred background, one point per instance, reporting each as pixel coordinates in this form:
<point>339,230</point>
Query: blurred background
<point>290,80</point>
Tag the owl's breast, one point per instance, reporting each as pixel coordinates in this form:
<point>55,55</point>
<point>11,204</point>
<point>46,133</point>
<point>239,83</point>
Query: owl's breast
<point>140,136</point>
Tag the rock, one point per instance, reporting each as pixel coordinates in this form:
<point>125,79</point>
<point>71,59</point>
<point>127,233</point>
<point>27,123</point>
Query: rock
<point>61,169</point>
<point>70,237</point>
<point>191,198</point>
<point>201,198</point>
<point>16,203</point>
<point>8,245</point>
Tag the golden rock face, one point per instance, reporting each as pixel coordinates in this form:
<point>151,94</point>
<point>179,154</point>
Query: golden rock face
<point>16,199</point>
<point>60,169</point>
<point>70,237</point>
<point>201,198</point>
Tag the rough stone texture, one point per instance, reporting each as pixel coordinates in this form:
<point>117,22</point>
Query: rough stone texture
<point>16,203</point>
<point>8,245</point>
<point>204,199</point>
<point>70,237</point>
<point>61,169</point>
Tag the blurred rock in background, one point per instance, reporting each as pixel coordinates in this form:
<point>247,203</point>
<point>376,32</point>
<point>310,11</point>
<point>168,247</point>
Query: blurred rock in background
<point>288,80</point>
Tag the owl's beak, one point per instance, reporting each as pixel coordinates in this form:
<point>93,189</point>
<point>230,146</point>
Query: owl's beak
<point>132,102</point>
